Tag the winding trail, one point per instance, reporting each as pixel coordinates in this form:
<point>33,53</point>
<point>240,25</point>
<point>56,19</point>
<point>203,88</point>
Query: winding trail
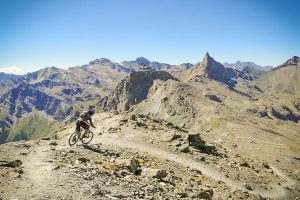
<point>277,191</point>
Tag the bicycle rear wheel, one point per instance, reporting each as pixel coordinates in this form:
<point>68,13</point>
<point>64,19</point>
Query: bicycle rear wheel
<point>87,137</point>
<point>74,138</point>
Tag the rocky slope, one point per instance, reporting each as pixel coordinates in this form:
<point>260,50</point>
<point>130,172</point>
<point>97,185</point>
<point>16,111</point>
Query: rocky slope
<point>142,157</point>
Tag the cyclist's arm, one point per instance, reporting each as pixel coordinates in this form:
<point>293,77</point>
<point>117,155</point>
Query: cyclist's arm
<point>91,122</point>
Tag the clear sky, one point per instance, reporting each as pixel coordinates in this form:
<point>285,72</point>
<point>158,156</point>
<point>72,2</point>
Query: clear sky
<point>64,33</point>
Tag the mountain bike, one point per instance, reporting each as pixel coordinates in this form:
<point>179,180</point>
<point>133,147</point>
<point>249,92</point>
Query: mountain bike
<point>85,138</point>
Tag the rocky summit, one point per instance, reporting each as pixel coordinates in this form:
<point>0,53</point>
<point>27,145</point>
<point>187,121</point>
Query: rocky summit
<point>209,68</point>
<point>163,131</point>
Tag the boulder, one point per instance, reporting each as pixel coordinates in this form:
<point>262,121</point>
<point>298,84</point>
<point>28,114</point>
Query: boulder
<point>53,143</point>
<point>266,165</point>
<point>83,160</point>
<point>248,187</point>
<point>14,175</point>
<point>205,193</point>
<point>170,136</point>
<point>46,138</point>
<point>184,148</point>
<point>213,98</point>
<point>13,164</point>
<point>195,140</point>
<point>155,173</point>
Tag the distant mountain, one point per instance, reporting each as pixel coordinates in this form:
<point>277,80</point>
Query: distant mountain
<point>241,65</point>
<point>136,64</point>
<point>4,76</point>
<point>58,94</point>
<point>294,61</point>
<point>209,68</point>
<point>145,62</point>
<point>283,79</point>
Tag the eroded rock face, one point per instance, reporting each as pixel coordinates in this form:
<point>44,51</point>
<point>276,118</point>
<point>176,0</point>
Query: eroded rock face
<point>133,89</point>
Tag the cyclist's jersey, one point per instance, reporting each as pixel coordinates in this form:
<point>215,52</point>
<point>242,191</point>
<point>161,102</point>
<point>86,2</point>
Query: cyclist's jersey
<point>87,118</point>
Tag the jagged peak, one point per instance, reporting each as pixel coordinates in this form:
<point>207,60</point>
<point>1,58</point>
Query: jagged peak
<point>100,61</point>
<point>206,55</point>
<point>142,61</point>
<point>48,69</point>
<point>207,58</point>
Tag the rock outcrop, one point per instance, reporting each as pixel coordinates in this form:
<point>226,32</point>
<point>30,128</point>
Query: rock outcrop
<point>133,89</point>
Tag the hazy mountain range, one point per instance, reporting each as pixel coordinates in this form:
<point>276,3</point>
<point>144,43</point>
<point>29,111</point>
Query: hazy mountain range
<point>240,65</point>
<point>4,76</point>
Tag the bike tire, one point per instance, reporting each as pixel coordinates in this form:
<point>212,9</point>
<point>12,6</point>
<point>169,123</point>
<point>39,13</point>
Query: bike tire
<point>86,140</point>
<point>72,140</point>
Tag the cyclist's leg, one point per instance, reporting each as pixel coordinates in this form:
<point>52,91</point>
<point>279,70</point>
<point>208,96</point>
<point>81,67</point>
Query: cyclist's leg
<point>78,126</point>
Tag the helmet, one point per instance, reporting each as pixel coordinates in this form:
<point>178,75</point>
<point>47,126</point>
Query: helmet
<point>91,111</point>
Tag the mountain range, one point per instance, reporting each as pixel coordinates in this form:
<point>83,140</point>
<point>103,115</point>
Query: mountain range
<point>4,76</point>
<point>204,131</point>
<point>61,94</point>
<point>57,96</point>
<point>241,65</point>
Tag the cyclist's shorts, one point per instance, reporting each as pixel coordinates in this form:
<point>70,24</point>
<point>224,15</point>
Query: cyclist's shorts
<point>84,124</point>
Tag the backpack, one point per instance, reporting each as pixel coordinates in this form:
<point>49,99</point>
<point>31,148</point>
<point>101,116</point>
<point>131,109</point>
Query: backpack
<point>84,114</point>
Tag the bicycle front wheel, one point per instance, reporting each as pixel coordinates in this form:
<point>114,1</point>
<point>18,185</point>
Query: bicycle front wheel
<point>74,138</point>
<point>87,137</point>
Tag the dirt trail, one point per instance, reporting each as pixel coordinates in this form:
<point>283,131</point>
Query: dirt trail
<point>278,192</point>
<point>37,171</point>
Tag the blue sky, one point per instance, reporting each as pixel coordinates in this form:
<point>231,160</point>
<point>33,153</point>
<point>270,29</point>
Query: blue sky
<point>64,33</point>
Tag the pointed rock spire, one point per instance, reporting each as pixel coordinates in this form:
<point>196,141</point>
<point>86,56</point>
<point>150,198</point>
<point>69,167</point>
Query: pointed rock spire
<point>206,55</point>
<point>209,68</point>
<point>207,58</point>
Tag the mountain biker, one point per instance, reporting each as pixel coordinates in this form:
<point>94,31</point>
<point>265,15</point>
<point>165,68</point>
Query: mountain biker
<point>86,120</point>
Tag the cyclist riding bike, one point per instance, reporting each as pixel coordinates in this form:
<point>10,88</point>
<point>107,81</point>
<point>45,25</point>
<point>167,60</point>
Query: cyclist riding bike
<point>86,120</point>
